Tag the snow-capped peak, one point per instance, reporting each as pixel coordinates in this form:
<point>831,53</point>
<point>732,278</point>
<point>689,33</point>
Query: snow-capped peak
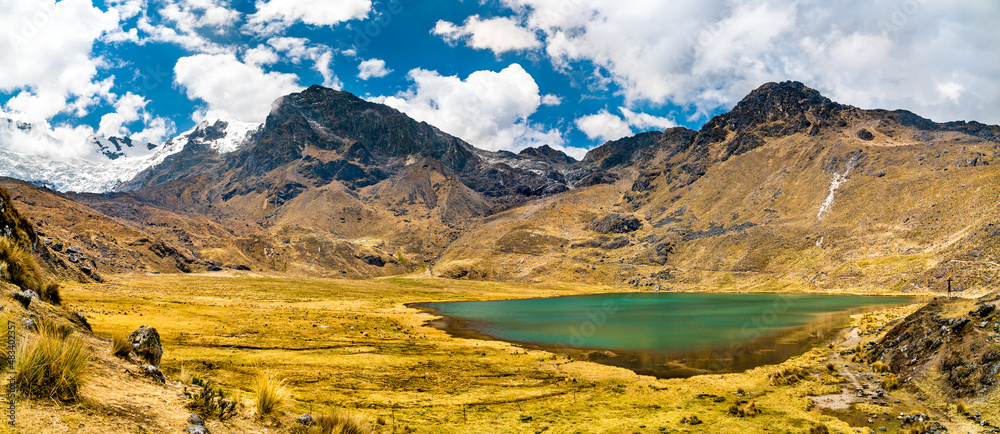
<point>104,162</point>
<point>224,135</point>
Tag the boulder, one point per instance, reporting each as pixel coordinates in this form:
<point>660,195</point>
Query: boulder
<point>58,246</point>
<point>24,297</point>
<point>197,429</point>
<point>146,344</point>
<point>74,249</point>
<point>154,372</point>
<point>29,324</point>
<point>306,419</point>
<point>194,419</point>
<point>82,320</point>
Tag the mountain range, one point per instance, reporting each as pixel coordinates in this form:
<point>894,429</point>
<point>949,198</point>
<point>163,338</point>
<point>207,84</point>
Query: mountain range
<point>787,190</point>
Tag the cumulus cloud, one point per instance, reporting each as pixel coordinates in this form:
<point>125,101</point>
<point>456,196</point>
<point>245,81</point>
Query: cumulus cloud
<point>707,54</point>
<point>298,49</point>
<point>47,57</point>
<point>500,34</point>
<point>228,86</point>
<point>372,68</point>
<point>606,126</point>
<point>550,99</point>
<point>488,109</point>
<point>274,16</point>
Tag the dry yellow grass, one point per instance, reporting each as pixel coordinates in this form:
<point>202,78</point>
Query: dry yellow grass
<point>343,344</point>
<point>269,393</point>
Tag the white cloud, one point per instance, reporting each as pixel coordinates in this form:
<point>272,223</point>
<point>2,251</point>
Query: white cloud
<point>604,126</point>
<point>607,126</point>
<point>234,88</point>
<point>498,34</point>
<point>550,99</point>
<point>645,122</point>
<point>298,49</point>
<point>260,55</point>
<point>46,57</point>
<point>488,109</point>
<point>707,54</point>
<point>126,111</point>
<point>372,68</point>
<point>274,16</point>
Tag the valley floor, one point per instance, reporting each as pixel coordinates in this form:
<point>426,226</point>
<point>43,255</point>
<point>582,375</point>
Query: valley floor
<point>354,345</point>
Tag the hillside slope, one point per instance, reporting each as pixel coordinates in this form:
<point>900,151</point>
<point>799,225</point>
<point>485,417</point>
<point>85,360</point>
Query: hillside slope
<point>789,189</point>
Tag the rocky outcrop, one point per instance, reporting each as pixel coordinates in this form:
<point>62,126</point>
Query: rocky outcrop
<point>616,224</point>
<point>964,348</point>
<point>146,345</point>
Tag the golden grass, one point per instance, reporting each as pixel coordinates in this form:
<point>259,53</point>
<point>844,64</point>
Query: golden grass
<point>348,344</point>
<point>50,293</point>
<point>17,266</point>
<point>880,368</point>
<point>269,391</point>
<point>52,365</point>
<point>889,382</point>
<point>340,422</point>
<point>120,345</point>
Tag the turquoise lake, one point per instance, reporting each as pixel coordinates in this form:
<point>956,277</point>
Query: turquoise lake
<point>662,334</point>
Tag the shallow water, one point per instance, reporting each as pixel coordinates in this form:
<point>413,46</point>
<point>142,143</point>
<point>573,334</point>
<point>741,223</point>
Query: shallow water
<point>662,334</point>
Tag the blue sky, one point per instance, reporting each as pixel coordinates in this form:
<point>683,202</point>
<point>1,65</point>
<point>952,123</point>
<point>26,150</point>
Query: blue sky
<point>501,74</point>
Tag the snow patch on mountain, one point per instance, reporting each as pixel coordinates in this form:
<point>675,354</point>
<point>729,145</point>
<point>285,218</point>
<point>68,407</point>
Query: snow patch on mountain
<point>110,162</point>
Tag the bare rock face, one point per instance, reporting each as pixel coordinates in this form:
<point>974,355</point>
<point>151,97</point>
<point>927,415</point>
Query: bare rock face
<point>616,224</point>
<point>146,345</point>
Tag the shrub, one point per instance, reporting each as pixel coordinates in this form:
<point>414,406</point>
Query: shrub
<point>915,428</point>
<point>50,293</point>
<point>17,266</point>
<point>211,402</point>
<point>819,429</point>
<point>748,410</point>
<point>690,420</point>
<point>880,368</point>
<point>270,391</point>
<point>340,422</point>
<point>51,366</point>
<point>120,345</point>
<point>788,376</point>
<point>961,408</point>
<point>890,382</point>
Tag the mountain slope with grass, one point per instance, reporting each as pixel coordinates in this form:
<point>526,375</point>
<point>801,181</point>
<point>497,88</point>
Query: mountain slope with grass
<point>789,190</point>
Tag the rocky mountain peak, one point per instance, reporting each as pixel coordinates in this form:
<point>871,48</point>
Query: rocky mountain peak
<point>789,102</point>
<point>547,154</point>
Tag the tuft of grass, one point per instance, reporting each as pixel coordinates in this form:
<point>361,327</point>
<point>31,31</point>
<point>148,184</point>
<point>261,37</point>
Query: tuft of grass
<point>50,293</point>
<point>880,368</point>
<point>17,266</point>
<point>788,376</point>
<point>51,366</point>
<point>819,429</point>
<point>340,422</point>
<point>120,345</point>
<point>185,376</point>
<point>915,428</point>
<point>890,382</point>
<point>831,367</point>
<point>748,410</point>
<point>270,392</point>
<point>960,408</point>
<point>690,420</point>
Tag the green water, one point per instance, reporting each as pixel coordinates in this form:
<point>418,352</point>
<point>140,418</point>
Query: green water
<point>663,334</point>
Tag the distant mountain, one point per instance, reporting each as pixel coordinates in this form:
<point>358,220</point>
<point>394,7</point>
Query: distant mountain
<point>787,190</point>
<point>111,161</point>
